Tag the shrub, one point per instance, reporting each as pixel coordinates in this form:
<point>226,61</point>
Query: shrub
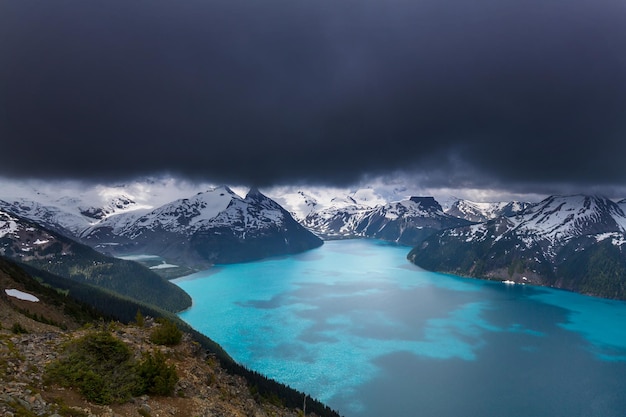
<point>166,334</point>
<point>104,370</point>
<point>99,365</point>
<point>18,329</point>
<point>155,375</point>
<point>139,319</point>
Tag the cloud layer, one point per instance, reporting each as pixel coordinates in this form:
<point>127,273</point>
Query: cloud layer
<point>478,94</point>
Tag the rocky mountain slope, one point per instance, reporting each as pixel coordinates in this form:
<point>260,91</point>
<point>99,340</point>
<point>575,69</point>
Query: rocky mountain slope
<point>37,324</point>
<point>203,387</point>
<point>571,242</point>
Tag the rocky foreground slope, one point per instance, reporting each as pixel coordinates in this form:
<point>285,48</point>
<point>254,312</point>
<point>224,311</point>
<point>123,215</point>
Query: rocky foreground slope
<point>37,324</point>
<point>203,387</point>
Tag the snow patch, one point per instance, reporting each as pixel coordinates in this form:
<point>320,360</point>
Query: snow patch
<point>21,295</point>
<point>618,240</point>
<point>603,236</point>
<point>8,225</point>
<point>164,265</point>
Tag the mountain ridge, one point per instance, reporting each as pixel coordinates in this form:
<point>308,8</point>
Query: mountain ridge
<point>572,242</point>
<point>215,226</point>
<point>405,222</point>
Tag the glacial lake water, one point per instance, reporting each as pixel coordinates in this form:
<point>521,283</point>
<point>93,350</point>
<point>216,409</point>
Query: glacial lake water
<point>357,326</point>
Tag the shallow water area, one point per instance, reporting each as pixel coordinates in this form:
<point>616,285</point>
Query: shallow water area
<point>357,326</point>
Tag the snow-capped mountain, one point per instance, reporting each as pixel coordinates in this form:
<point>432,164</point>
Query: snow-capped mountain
<point>407,222</point>
<point>141,216</point>
<point>28,242</point>
<point>182,215</point>
<point>337,221</point>
<point>304,202</point>
<point>94,214</point>
<point>300,204</point>
<point>215,226</point>
<point>376,212</point>
<point>67,215</point>
<point>70,207</point>
<point>481,212</point>
<point>574,242</point>
<point>559,219</point>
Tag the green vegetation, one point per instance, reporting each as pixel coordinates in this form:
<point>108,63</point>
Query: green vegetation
<point>99,365</point>
<point>599,270</point>
<point>126,278</point>
<point>50,292</point>
<point>104,370</point>
<point>166,334</point>
<point>582,264</point>
<point>18,329</point>
<point>483,257</point>
<point>72,260</point>
<point>93,302</point>
<point>140,321</point>
<point>156,376</point>
<point>42,319</point>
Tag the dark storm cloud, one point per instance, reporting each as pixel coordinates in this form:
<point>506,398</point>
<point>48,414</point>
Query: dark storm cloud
<point>485,92</point>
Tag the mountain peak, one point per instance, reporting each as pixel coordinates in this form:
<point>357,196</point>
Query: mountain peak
<point>254,193</point>
<point>427,203</point>
<point>220,188</point>
<point>481,212</point>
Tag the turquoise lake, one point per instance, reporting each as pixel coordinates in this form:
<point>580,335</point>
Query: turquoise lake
<point>357,326</point>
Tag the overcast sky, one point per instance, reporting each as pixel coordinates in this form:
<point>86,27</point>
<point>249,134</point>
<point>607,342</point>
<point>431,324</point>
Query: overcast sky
<point>525,96</point>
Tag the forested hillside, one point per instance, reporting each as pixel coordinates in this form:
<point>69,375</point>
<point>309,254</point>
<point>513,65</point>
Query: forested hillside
<point>29,243</point>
